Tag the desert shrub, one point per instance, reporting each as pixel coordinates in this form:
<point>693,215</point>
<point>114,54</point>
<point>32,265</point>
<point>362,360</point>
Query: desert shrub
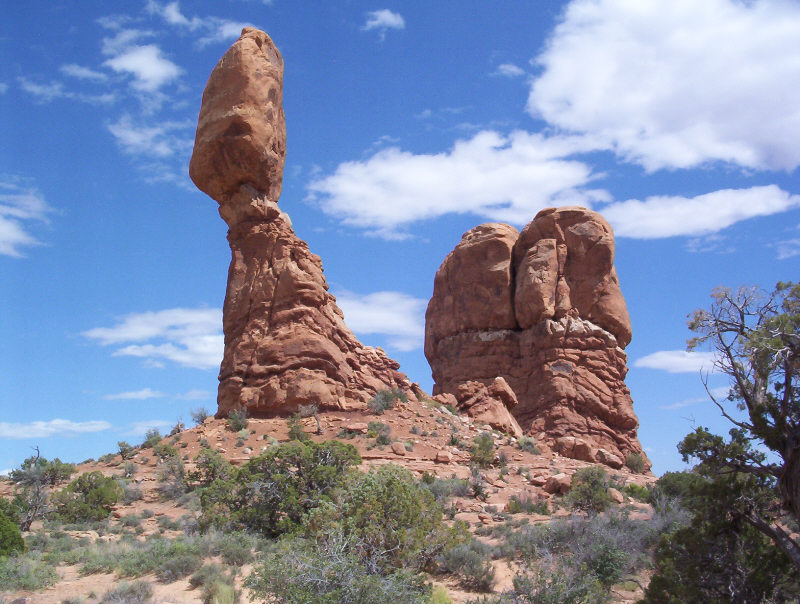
<point>637,492</point>
<point>444,488</point>
<point>126,450</point>
<point>439,595</point>
<point>177,428</point>
<point>527,504</point>
<point>556,584</point>
<point>164,451</point>
<point>129,468</point>
<point>481,453</point>
<point>138,592</point>
<point>296,431</point>
<point>219,592</point>
<point>26,571</point>
<point>130,491</point>
<point>11,540</point>
<point>387,520</point>
<point>171,478</point>
<point>526,443</point>
<point>181,560</point>
<point>635,463</point>
<point>207,574</point>
<point>10,508</point>
<point>151,437</point>
<point>297,570</point>
<point>272,493</point>
<point>33,480</point>
<point>471,562</point>
<point>210,466</point>
<point>88,497</point>
<point>235,549</point>
<point>199,415</point>
<point>131,520</point>
<point>386,399</point>
<point>589,490</point>
<point>236,420</point>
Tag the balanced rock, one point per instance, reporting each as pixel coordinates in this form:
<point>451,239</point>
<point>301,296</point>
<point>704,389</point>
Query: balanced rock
<point>286,343</point>
<point>542,309</point>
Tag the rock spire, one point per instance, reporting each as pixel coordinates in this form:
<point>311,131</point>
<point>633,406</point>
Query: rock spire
<point>286,343</point>
<point>543,310</point>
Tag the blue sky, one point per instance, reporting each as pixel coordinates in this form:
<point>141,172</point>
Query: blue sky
<point>408,124</point>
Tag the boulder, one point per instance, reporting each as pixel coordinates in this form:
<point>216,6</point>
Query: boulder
<point>543,310</point>
<point>558,484</point>
<point>286,343</point>
<point>489,404</point>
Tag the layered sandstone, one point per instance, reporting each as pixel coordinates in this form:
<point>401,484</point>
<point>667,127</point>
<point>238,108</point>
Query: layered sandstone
<point>286,343</point>
<point>543,310</point>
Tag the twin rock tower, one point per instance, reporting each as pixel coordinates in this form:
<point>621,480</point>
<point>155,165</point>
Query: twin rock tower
<point>531,322</point>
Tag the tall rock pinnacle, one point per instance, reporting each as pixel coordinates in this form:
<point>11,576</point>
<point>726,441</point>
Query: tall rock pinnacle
<point>543,310</point>
<point>286,343</point>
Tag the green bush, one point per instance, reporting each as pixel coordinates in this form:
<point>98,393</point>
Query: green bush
<point>386,399</point>
<point>638,492</point>
<point>88,497</point>
<point>524,503</point>
<point>199,415</point>
<point>471,562</point>
<point>210,466</point>
<point>171,478</point>
<point>236,420</point>
<point>138,592</point>
<point>11,540</point>
<point>528,444</point>
<point>482,451</point>
<point>272,493</point>
<point>10,507</point>
<point>635,463</point>
<point>589,490</point>
<point>26,571</point>
<point>297,570</point>
<point>126,450</point>
<point>444,488</point>
<point>388,520</point>
<point>296,430</point>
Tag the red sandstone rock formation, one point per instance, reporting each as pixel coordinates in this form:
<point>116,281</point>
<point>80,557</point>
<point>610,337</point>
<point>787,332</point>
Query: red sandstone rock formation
<point>542,309</point>
<point>489,404</point>
<point>286,343</point>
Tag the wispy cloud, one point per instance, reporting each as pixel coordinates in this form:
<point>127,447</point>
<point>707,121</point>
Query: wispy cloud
<point>396,315</point>
<point>21,206</point>
<point>719,393</point>
<point>383,20</point>
<point>53,427</point>
<point>509,70</point>
<point>136,395</point>
<point>158,140</point>
<point>197,395</point>
<point>188,337</point>
<point>677,361</point>
<point>665,216</point>
<point>507,178</point>
<point>787,248</point>
<point>83,73</point>
<point>681,102</point>
<point>46,93</point>
<point>213,29</point>
<point>139,428</point>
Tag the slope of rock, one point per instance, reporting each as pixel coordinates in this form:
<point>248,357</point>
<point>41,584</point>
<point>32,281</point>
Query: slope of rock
<point>286,342</point>
<point>543,310</point>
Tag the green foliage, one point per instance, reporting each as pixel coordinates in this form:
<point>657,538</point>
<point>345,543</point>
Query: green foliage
<point>720,553</point>
<point>199,415</point>
<point>638,492</point>
<point>527,504</point>
<point>88,497</point>
<point>273,492</point>
<point>151,437</point>
<point>439,595</point>
<point>10,538</point>
<point>481,452</point>
<point>138,592</point>
<point>10,508</point>
<point>589,490</point>
<point>444,488</point>
<point>556,584</point>
<point>471,562</point>
<point>635,463</point>
<point>33,479</point>
<point>171,478</point>
<point>756,339</point>
<point>297,570</point>
<point>296,431</point>
<point>164,451</point>
<point>386,399</point>
<point>26,571</point>
<point>528,444</point>
<point>210,466</point>
<point>126,450</point>
<point>236,420</point>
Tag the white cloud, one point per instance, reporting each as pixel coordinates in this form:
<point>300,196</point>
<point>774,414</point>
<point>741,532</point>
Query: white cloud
<point>139,428</point>
<point>720,393</point>
<point>20,206</point>
<point>216,29</point>
<point>383,20</point>
<point>43,92</point>
<point>53,427</point>
<point>149,68</point>
<point>150,140</point>
<point>677,361</point>
<point>82,73</point>
<point>509,70</point>
<point>677,84</point>
<point>189,337</point>
<point>507,178</point>
<point>3,87</point>
<point>788,248</point>
<point>136,395</point>
<point>665,216</point>
<point>196,395</point>
<point>396,315</point>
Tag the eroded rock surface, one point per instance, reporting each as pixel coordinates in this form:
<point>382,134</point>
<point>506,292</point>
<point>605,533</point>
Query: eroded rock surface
<point>543,310</point>
<point>286,343</point>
